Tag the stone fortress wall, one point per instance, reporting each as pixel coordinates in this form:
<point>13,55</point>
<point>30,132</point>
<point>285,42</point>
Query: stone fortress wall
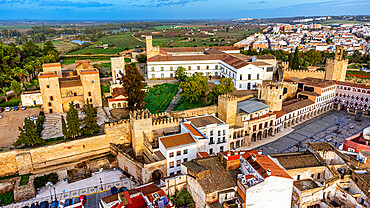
<point>291,74</point>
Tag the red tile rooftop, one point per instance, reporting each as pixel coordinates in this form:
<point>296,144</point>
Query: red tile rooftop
<point>192,130</point>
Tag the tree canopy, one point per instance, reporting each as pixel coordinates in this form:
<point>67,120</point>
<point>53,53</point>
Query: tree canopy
<point>180,74</point>
<point>89,121</point>
<point>73,121</point>
<point>194,87</point>
<point>226,86</point>
<point>133,82</point>
<point>28,136</point>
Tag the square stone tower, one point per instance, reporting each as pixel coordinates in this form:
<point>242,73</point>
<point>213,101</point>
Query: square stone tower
<point>141,130</point>
<point>150,49</point>
<point>227,106</point>
<point>335,69</point>
<point>272,94</point>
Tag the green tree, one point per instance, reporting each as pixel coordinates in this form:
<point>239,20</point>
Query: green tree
<point>194,87</point>
<point>73,122</point>
<point>133,83</point>
<point>91,126</point>
<point>295,64</point>
<point>182,198</point>
<point>313,57</point>
<point>35,82</point>
<point>16,87</point>
<point>180,74</point>
<point>142,58</point>
<point>64,127</point>
<point>290,59</point>
<point>28,136</point>
<point>5,90</point>
<point>226,86</point>
<point>26,85</point>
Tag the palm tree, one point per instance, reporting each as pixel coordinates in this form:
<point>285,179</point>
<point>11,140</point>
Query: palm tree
<point>5,90</point>
<point>35,82</point>
<point>20,72</point>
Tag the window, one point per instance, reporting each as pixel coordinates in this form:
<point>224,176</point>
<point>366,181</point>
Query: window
<point>89,93</point>
<point>298,177</point>
<point>153,75</point>
<point>162,75</point>
<point>185,159</point>
<point>216,73</point>
<point>258,76</point>
<point>207,67</point>
<point>216,67</point>
<point>198,67</point>
<point>171,154</point>
<point>211,151</point>
<point>312,175</point>
<point>219,132</point>
<point>249,76</point>
<point>211,133</point>
<point>50,110</point>
<point>224,132</point>
<point>171,75</point>
<point>221,149</point>
<point>178,153</point>
<point>74,94</point>
<point>189,68</point>
<point>90,100</point>
<point>162,68</point>
<point>171,68</point>
<point>241,77</point>
<point>49,103</point>
<point>318,175</point>
<point>172,164</point>
<point>179,171</point>
<point>178,163</point>
<point>211,140</point>
<point>270,69</point>
<point>249,86</point>
<point>185,151</point>
<point>172,173</point>
<point>152,68</point>
<point>92,81</point>
<point>47,86</point>
<point>240,85</point>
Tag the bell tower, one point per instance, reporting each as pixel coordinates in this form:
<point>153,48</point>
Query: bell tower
<point>336,68</point>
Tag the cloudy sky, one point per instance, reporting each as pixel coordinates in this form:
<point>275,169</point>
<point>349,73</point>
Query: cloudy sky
<point>175,9</point>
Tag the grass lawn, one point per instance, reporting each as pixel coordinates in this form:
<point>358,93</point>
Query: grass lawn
<point>7,198</point>
<point>105,87</point>
<point>185,105</point>
<point>357,72</point>
<point>159,97</point>
<point>24,180</point>
<point>120,41</point>
<point>11,103</point>
<point>72,61</point>
<point>105,65</point>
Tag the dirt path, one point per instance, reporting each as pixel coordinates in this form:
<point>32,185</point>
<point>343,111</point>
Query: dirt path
<point>133,35</point>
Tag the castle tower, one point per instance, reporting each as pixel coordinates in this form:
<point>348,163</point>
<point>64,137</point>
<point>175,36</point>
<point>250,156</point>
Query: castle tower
<point>272,94</point>
<point>118,68</point>
<point>227,105</point>
<point>141,126</point>
<point>335,69</point>
<point>150,49</point>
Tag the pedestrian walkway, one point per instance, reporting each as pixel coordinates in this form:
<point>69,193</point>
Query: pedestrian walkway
<point>174,101</point>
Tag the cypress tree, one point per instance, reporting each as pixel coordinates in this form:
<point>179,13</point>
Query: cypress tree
<point>73,122</point>
<point>91,126</point>
<point>296,59</point>
<point>28,135</point>
<point>64,127</point>
<point>290,61</point>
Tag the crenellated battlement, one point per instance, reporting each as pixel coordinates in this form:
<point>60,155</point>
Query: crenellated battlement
<point>166,121</point>
<point>163,114</point>
<point>140,114</point>
<point>304,71</point>
<point>118,123</point>
<point>228,97</point>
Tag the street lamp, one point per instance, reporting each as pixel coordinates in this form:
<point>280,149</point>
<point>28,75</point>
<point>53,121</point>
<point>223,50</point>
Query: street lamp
<point>101,184</point>
<point>50,184</point>
<point>55,194</point>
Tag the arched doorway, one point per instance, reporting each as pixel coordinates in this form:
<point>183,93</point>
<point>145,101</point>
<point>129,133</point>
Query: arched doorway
<point>259,134</point>
<point>254,137</point>
<point>265,133</point>
<point>232,145</point>
<point>271,131</point>
<point>156,177</point>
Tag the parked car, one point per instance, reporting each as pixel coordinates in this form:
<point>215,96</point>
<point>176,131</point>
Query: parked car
<point>83,199</point>
<point>123,189</point>
<point>35,205</point>
<point>16,108</point>
<point>2,110</point>
<point>54,204</point>
<point>8,109</point>
<point>114,190</point>
<point>68,202</point>
<point>26,207</point>
<point>23,107</point>
<point>44,204</point>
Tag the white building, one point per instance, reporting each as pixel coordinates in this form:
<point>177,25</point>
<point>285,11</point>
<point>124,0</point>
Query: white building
<point>263,183</point>
<point>31,98</point>
<point>211,133</point>
<point>177,148</point>
<point>118,67</point>
<point>223,61</point>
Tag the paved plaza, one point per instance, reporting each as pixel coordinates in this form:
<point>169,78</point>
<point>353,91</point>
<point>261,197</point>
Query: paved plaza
<point>319,129</point>
<point>90,187</point>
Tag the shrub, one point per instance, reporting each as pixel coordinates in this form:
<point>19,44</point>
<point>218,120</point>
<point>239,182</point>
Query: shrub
<point>24,179</point>
<point>7,198</point>
<point>42,180</point>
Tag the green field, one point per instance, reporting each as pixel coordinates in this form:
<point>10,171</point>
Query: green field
<point>105,87</point>
<point>341,22</point>
<point>72,61</point>
<point>16,27</point>
<point>120,41</point>
<point>159,97</point>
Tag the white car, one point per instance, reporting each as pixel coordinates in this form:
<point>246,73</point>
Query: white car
<point>8,109</point>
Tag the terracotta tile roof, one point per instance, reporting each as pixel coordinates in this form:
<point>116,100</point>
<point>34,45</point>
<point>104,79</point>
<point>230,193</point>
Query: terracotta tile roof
<point>47,74</point>
<point>119,91</point>
<point>203,154</point>
<point>202,121</point>
<point>260,63</point>
<point>350,84</point>
<point>186,58</point>
<point>322,146</point>
<point>51,65</point>
<point>177,140</point>
<point>192,129</point>
<point>198,49</point>
<point>235,62</point>
<point>89,71</point>
<point>317,82</point>
<point>70,83</point>
<point>296,160</point>
<point>295,104</point>
<point>263,163</point>
<point>309,93</point>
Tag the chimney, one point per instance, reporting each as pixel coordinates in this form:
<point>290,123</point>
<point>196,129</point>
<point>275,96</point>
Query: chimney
<point>268,171</point>
<point>260,152</point>
<point>254,157</point>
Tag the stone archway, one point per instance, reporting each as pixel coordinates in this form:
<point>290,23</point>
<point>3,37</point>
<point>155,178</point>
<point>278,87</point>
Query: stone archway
<point>270,132</point>
<point>157,176</point>
<point>254,137</point>
<point>264,135</point>
<point>259,135</point>
<point>232,145</point>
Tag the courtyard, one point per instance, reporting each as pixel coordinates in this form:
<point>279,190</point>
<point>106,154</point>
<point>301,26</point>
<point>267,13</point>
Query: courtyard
<point>10,122</point>
<point>332,126</point>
